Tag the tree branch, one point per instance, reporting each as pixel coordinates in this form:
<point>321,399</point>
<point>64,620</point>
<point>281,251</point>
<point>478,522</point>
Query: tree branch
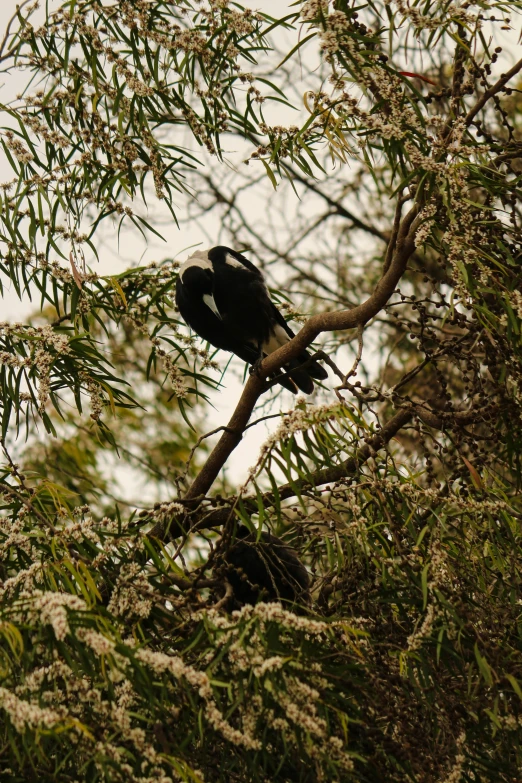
<point>326,476</point>
<point>350,465</point>
<point>8,32</point>
<point>504,79</point>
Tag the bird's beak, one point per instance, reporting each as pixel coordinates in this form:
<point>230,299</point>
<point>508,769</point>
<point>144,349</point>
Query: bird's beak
<point>209,301</point>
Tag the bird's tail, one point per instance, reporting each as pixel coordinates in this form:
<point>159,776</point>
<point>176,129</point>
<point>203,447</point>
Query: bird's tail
<point>300,378</point>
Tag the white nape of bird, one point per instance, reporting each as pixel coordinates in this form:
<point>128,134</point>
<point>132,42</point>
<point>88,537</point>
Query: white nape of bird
<point>224,299</point>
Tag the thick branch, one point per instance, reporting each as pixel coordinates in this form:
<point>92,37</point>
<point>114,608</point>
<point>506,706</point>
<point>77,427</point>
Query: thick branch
<point>325,476</point>
<point>376,442</point>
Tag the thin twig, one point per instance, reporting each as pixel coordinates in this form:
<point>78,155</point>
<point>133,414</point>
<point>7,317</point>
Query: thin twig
<point>339,208</point>
<point>61,319</point>
<point>197,445</point>
<point>266,418</point>
<point>27,503</point>
<point>228,594</point>
<point>353,371</point>
<point>8,31</point>
<point>504,79</point>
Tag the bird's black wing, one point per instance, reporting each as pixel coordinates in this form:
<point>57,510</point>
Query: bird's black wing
<point>221,252</point>
<point>215,330</point>
<point>246,321</point>
<point>279,319</point>
<point>274,317</point>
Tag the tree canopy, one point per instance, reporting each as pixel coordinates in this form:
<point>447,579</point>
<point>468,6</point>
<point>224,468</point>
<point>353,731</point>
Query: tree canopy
<point>368,159</point>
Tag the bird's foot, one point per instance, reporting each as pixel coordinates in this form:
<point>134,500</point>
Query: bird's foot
<point>256,367</point>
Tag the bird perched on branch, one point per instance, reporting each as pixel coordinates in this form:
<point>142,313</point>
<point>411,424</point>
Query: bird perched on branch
<point>224,299</point>
<point>267,569</point>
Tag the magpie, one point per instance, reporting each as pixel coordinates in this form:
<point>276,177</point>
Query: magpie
<point>267,569</point>
<point>224,299</point>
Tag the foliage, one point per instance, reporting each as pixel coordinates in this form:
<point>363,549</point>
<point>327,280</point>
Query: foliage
<point>395,218</point>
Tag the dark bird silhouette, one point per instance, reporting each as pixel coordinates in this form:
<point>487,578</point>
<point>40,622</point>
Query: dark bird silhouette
<point>265,570</point>
<point>224,299</point>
